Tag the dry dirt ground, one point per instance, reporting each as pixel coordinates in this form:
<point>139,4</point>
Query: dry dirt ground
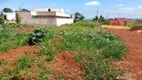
<point>13,54</point>
<point>133,59</point>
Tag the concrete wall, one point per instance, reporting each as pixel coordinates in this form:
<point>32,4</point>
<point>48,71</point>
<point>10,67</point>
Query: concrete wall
<point>61,21</point>
<point>27,18</point>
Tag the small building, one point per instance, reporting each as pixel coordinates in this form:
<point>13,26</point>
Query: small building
<point>46,16</point>
<point>9,16</point>
<point>121,22</point>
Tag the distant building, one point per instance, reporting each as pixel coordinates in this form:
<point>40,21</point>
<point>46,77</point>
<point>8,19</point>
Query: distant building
<point>121,22</point>
<point>9,16</point>
<point>46,16</point>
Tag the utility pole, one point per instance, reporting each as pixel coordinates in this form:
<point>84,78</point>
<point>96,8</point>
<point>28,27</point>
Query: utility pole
<point>97,11</point>
<point>107,16</point>
<point>21,6</point>
<point>97,14</point>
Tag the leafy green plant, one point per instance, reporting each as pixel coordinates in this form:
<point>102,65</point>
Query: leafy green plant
<point>36,36</point>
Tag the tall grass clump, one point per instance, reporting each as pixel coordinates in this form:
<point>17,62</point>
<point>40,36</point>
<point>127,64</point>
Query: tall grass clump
<point>11,38</point>
<point>23,62</point>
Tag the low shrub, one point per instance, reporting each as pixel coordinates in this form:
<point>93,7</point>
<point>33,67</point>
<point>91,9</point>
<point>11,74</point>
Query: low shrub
<point>36,36</point>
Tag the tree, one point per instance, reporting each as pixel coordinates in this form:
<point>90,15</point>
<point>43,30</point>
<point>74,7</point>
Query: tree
<point>7,10</point>
<point>18,18</point>
<point>25,10</point>
<point>102,18</point>
<point>78,17</point>
<point>1,19</point>
<point>96,18</point>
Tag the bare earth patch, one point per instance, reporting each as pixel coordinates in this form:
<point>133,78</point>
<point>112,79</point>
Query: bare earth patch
<point>13,54</point>
<point>65,65</point>
<point>133,59</point>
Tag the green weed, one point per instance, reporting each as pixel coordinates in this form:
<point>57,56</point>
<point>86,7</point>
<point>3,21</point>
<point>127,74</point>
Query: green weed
<point>23,62</point>
<point>10,38</point>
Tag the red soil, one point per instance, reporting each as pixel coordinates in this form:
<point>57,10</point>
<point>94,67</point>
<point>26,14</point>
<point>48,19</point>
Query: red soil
<point>13,54</point>
<point>133,59</point>
<point>66,65</point>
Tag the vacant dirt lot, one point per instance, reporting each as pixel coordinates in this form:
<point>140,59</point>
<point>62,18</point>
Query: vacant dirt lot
<point>133,59</point>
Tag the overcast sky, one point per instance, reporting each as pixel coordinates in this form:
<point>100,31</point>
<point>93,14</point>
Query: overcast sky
<point>112,8</point>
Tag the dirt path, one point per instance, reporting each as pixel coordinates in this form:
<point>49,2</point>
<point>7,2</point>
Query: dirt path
<point>133,59</point>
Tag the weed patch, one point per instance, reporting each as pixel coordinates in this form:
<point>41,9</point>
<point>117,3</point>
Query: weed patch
<point>10,38</point>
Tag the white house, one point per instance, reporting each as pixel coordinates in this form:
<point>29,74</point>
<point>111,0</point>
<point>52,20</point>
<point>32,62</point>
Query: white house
<point>46,16</point>
<point>10,16</point>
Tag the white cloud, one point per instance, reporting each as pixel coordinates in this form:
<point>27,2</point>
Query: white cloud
<point>140,7</point>
<point>120,5</point>
<point>92,3</point>
<point>127,9</point>
<point>53,4</point>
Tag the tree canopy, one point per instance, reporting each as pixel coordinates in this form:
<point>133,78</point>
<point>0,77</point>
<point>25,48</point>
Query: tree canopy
<point>96,18</point>
<point>7,10</point>
<point>78,17</point>
<point>25,10</point>
<point>101,18</point>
